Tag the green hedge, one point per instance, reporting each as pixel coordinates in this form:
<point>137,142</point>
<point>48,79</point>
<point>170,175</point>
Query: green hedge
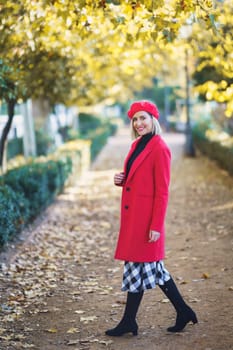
<point>44,143</point>
<point>15,213</point>
<point>214,150</point>
<point>14,147</point>
<point>88,123</point>
<point>26,191</point>
<point>95,129</point>
<point>98,139</point>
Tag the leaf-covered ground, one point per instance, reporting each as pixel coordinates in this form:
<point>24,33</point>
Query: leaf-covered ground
<point>60,286</point>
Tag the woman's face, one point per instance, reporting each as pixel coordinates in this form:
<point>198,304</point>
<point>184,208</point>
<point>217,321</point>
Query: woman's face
<point>142,123</point>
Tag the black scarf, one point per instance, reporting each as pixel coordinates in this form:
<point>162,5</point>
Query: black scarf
<point>139,148</point>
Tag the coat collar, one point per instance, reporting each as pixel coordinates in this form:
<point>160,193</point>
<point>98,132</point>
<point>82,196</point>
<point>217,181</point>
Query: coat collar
<point>147,150</point>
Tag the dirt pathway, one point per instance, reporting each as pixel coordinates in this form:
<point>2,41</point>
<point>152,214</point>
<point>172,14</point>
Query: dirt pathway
<point>60,287</point>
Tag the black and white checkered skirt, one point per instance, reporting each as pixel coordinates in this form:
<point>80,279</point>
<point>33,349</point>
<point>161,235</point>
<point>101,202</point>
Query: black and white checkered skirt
<point>141,276</point>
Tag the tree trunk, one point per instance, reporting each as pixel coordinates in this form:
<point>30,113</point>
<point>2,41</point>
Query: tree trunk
<point>189,145</point>
<point>60,129</point>
<point>29,140</point>
<point>11,108</point>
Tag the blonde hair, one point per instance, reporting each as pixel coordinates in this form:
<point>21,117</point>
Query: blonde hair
<point>156,128</point>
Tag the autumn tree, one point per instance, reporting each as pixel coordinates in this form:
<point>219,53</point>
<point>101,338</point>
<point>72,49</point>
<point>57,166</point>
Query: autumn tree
<point>32,64</point>
<point>213,49</point>
<point>85,51</point>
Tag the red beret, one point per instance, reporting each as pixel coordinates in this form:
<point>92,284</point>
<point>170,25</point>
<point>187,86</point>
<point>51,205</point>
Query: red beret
<point>146,106</point>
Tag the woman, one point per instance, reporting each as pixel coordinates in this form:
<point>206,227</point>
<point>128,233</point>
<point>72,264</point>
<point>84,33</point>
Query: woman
<point>145,189</point>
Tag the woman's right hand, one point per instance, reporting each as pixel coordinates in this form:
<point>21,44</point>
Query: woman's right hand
<point>119,179</point>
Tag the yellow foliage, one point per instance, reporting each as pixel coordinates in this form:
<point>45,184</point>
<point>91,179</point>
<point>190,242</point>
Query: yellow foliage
<point>70,148</point>
<point>222,137</point>
<point>88,48</point>
<point>214,49</point>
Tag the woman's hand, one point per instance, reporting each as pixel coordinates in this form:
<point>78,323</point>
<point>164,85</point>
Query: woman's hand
<point>153,236</point>
<point>119,178</point>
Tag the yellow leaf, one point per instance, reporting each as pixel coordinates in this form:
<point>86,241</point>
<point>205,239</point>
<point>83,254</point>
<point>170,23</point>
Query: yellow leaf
<point>52,330</point>
<point>205,275</point>
<point>2,330</point>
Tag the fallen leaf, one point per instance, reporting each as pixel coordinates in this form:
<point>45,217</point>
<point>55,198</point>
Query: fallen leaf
<point>10,318</point>
<point>28,346</point>
<point>73,330</point>
<point>79,312</point>
<point>121,302</point>
<point>116,305</point>
<point>95,340</point>
<point>84,341</point>
<point>7,337</point>
<point>43,311</point>
<point>73,342</point>
<point>205,275</point>
<point>18,337</point>
<point>194,300</point>
<point>105,224</point>
<point>52,330</point>
<point>165,300</point>
<point>106,342</point>
<point>88,319</point>
<point>183,282</point>
<point>2,330</point>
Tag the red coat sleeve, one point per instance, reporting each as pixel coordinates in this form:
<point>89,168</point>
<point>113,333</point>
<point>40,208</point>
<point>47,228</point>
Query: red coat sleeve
<point>161,181</point>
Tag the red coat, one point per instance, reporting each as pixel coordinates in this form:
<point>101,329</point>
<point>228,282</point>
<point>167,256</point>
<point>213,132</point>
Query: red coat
<point>144,203</point>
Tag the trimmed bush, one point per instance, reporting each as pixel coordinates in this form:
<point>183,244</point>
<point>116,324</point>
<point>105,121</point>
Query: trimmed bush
<point>32,182</point>
<point>28,189</point>
<point>39,182</point>
<point>44,143</point>
<point>92,128</point>
<point>97,130</point>
<point>79,152</point>
<point>213,149</point>
<point>113,127</point>
<point>98,139</point>
<point>14,147</point>
<point>88,122</point>
<point>14,209</point>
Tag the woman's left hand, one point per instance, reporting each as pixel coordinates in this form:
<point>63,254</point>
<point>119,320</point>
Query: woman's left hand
<point>153,236</point>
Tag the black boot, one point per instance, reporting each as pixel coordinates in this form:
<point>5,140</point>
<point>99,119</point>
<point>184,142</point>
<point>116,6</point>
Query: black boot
<point>184,313</point>
<point>128,323</point>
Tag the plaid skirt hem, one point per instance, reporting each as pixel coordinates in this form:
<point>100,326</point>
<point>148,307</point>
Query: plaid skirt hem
<point>138,277</point>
